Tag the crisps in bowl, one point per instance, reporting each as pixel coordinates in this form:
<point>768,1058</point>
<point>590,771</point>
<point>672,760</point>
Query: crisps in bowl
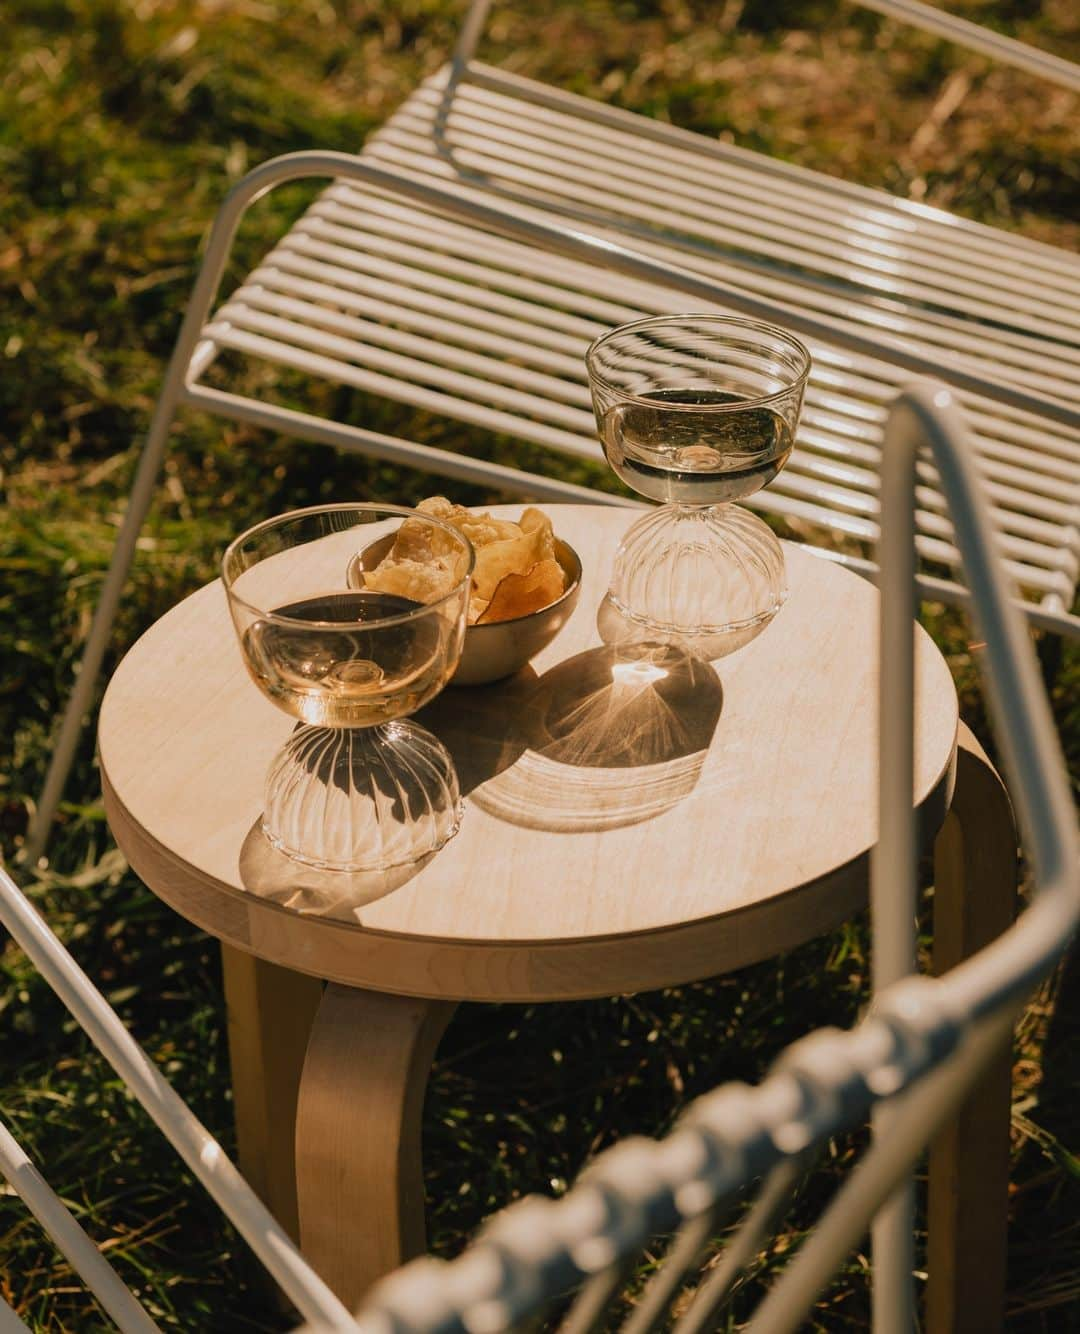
<point>521,594</point>
<point>516,571</point>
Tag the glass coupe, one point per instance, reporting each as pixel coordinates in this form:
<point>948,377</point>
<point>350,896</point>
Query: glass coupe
<point>357,787</point>
<point>697,411</point>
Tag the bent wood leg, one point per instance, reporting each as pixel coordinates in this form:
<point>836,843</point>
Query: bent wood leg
<point>359,1176</point>
<point>975,876</point>
<point>270,1013</point>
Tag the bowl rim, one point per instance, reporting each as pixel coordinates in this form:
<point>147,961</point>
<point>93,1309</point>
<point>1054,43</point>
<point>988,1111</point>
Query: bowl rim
<point>390,511</point>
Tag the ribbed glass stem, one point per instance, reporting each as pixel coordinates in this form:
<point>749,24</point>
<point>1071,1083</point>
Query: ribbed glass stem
<point>708,570</point>
<point>361,798</point>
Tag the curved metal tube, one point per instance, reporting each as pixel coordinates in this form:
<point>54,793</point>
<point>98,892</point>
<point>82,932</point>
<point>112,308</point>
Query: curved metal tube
<point>1003,971</point>
<point>963,32</point>
<point>192,1141</point>
<point>927,414</point>
<point>977,38</point>
<point>9,1321</point>
<point>70,1239</point>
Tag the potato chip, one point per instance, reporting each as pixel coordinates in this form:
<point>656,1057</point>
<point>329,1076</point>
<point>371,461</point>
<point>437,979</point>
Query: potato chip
<point>532,518</point>
<point>514,555</point>
<point>520,594</point>
<point>417,580</point>
<point>419,541</point>
<point>515,562</point>
<point>438,507</point>
<point>483,529</point>
<point>480,529</point>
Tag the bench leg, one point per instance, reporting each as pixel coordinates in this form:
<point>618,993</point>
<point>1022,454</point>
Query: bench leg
<point>975,876</point>
<point>359,1177</point>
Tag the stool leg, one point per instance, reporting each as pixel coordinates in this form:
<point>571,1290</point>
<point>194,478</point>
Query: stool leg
<point>271,1010</point>
<point>975,877</point>
<point>359,1176</point>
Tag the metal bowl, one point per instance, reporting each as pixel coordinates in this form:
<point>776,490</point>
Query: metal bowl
<point>504,647</point>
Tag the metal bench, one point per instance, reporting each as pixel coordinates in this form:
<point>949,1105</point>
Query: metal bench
<point>371,291</point>
<point>461,265</point>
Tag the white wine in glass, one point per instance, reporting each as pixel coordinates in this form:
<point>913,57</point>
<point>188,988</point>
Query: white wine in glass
<point>696,412</point>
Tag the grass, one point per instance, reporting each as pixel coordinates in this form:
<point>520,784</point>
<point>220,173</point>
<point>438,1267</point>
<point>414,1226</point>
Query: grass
<point>121,124</point>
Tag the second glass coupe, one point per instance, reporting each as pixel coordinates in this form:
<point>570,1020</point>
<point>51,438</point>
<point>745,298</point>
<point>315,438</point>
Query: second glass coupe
<point>697,411</point>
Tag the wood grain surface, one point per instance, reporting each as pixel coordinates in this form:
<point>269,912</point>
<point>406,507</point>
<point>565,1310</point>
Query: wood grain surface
<point>359,1172</point>
<point>629,823</point>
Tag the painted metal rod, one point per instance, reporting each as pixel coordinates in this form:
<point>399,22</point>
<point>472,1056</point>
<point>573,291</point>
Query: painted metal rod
<point>82,693</point>
<point>685,1252</point>
<point>760,1223</point>
<point>977,38</point>
<point>927,414</point>
<point>192,1141</point>
<point>373,444</point>
<point>918,1114</point>
<point>893,859</point>
<point>73,1243</point>
<point>923,413</point>
<point>10,1322</point>
<point>961,31</point>
<point>471,31</point>
<point>595,1295</point>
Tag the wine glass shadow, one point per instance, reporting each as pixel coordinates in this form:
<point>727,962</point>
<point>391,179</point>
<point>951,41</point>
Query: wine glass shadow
<point>611,737</point>
<point>479,727</point>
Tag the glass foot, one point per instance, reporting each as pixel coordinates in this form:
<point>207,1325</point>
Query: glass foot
<point>363,798</point>
<point>712,574</point>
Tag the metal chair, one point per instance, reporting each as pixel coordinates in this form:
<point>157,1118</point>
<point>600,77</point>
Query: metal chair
<point>909,1062</point>
<point>446,268</point>
<point>191,1140</point>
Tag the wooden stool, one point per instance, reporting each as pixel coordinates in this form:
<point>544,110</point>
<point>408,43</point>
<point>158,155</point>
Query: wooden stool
<point>628,826</point>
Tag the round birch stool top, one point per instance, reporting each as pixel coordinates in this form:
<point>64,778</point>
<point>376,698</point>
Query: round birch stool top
<point>629,824</point>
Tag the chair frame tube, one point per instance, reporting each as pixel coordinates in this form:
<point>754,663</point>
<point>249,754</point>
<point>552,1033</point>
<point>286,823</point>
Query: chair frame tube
<point>71,1240</point>
<point>9,1321</point>
<point>192,1141</point>
<point>963,32</point>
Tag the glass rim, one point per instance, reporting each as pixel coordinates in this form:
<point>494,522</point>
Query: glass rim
<point>729,321</point>
<point>362,507</point>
